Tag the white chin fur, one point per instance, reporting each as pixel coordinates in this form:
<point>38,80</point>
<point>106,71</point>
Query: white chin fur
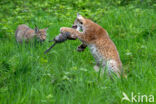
<point>78,28</point>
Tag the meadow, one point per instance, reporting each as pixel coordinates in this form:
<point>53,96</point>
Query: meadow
<point>65,76</point>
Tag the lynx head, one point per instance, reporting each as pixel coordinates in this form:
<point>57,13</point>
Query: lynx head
<point>79,23</point>
<point>41,34</point>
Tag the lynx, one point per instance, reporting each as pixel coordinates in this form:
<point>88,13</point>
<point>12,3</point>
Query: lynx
<point>24,33</point>
<point>97,39</point>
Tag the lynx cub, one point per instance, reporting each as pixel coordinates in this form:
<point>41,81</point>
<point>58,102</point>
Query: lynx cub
<point>96,38</point>
<point>24,33</point>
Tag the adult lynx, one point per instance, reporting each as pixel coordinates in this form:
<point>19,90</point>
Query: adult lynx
<point>96,38</point>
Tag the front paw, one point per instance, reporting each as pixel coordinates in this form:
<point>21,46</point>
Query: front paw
<point>80,49</point>
<point>63,29</point>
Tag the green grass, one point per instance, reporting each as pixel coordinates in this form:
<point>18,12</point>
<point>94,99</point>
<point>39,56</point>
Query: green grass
<point>65,76</point>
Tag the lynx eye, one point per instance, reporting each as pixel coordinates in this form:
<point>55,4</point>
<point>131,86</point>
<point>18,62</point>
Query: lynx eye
<point>81,23</point>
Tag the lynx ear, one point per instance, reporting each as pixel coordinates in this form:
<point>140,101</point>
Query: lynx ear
<point>36,29</point>
<point>79,16</point>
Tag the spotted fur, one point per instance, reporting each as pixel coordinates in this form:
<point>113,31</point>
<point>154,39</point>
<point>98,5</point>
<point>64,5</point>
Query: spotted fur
<point>96,38</point>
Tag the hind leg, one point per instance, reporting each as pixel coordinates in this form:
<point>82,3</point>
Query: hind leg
<point>112,68</point>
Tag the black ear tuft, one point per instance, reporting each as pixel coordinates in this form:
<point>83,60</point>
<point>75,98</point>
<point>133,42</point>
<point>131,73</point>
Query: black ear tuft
<point>36,29</point>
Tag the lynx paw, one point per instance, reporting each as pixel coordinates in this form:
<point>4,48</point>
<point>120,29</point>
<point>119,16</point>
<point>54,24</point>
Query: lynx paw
<point>80,49</point>
<point>63,29</point>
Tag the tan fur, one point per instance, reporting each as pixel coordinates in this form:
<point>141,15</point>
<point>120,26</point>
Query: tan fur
<point>96,37</point>
<point>24,33</point>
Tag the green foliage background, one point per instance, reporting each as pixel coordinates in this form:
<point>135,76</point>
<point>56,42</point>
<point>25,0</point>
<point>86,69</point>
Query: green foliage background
<point>65,76</point>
